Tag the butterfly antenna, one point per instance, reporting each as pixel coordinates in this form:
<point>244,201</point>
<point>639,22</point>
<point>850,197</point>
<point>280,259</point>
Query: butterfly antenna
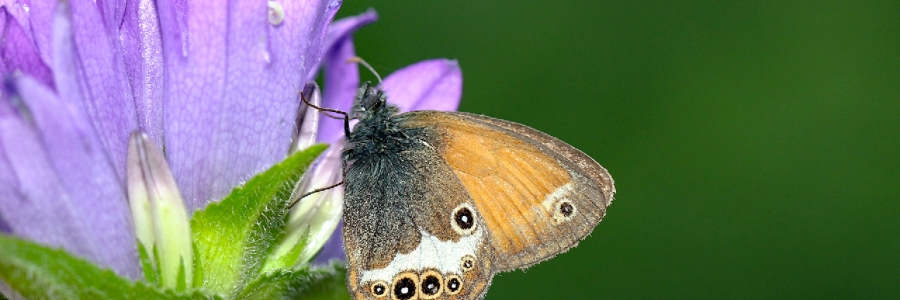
<point>343,113</point>
<point>359,60</point>
<point>313,192</point>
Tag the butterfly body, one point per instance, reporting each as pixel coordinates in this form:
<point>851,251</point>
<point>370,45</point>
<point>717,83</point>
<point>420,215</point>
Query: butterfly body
<point>436,203</point>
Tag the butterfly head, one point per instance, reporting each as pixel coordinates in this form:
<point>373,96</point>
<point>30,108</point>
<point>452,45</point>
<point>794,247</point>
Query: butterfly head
<point>371,103</point>
<point>378,130</point>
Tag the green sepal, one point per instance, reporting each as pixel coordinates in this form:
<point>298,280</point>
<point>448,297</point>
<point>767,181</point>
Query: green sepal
<point>235,235</point>
<point>151,273</point>
<point>198,272</point>
<point>182,281</point>
<point>300,283</point>
<point>38,272</point>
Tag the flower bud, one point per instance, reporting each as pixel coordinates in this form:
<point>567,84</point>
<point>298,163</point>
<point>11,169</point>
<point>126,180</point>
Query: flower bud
<point>307,124</point>
<point>160,219</point>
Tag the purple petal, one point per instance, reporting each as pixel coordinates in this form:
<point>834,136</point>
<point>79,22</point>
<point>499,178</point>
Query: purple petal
<point>3,20</point>
<point>287,43</point>
<point>232,87</point>
<point>428,85</point>
<point>7,180</point>
<point>173,27</point>
<point>112,13</point>
<point>36,20</point>
<point>341,77</point>
<point>342,29</point>
<point>19,13</point>
<point>32,198</point>
<point>61,189</point>
<point>19,52</point>
<point>4,227</point>
<point>307,118</point>
<point>341,80</point>
<point>16,12</point>
<point>3,69</point>
<point>89,72</point>
<point>142,52</point>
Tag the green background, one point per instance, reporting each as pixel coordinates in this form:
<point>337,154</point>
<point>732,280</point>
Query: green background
<point>754,144</point>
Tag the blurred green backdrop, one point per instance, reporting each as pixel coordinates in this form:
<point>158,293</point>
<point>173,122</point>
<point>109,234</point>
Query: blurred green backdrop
<point>754,144</point>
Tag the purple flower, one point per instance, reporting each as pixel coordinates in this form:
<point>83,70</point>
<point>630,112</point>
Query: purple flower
<point>215,83</point>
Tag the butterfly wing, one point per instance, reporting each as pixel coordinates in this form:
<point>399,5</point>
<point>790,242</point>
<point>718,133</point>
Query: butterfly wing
<point>537,195</point>
<point>464,197</point>
<point>410,229</point>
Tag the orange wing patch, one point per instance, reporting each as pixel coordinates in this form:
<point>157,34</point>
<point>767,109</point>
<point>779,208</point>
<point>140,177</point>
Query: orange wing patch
<point>509,181</point>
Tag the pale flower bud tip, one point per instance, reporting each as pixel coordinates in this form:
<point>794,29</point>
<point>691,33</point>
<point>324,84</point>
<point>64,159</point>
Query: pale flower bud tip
<point>160,217</point>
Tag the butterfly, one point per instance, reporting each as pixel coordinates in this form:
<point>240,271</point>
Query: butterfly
<point>437,203</point>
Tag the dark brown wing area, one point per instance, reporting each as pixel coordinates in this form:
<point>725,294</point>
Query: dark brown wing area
<point>538,195</point>
<point>399,233</point>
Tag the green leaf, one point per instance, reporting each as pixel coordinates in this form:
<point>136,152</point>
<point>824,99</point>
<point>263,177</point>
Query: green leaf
<point>38,272</point>
<point>302,283</point>
<point>234,236</point>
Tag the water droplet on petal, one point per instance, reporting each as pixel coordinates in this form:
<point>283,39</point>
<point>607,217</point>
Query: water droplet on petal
<point>276,13</point>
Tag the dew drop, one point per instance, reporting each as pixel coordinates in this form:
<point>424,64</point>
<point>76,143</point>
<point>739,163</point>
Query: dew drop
<point>276,13</point>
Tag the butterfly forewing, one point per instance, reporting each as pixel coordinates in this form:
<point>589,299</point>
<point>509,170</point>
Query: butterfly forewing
<point>537,195</point>
<point>436,203</point>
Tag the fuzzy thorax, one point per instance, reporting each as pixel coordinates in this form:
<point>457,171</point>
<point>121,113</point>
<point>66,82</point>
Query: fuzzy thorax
<point>378,131</point>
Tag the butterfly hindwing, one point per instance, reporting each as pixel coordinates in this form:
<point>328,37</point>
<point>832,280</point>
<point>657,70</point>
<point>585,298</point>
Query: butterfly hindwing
<point>410,229</point>
<point>537,195</point>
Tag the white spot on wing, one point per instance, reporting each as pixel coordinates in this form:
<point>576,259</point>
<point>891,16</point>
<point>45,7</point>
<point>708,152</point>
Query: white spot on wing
<point>432,253</point>
<point>555,197</point>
